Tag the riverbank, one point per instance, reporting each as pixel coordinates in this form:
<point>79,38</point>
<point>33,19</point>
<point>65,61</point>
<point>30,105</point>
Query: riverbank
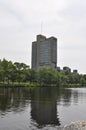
<point>78,125</point>
<point>18,84</point>
<point>35,84</point>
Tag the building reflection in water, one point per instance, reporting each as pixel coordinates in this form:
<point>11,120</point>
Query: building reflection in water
<point>43,101</point>
<point>44,107</point>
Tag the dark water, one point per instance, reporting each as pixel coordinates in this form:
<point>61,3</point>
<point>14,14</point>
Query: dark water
<point>40,108</point>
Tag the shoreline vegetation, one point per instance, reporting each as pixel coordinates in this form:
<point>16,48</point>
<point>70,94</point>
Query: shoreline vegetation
<point>32,85</point>
<point>20,75</point>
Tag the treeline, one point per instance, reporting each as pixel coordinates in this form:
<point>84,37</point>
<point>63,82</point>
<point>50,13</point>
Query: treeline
<point>19,72</point>
<point>11,72</point>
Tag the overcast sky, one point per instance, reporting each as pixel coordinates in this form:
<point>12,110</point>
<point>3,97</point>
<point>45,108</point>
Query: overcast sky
<point>20,22</point>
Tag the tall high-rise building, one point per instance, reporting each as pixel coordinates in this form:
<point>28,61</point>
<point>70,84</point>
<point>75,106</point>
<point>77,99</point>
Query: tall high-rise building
<point>44,53</point>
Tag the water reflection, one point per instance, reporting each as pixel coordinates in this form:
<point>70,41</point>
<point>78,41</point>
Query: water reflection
<point>47,105</point>
<point>13,99</point>
<point>44,107</point>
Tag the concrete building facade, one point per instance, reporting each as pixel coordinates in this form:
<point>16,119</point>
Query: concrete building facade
<point>44,53</point>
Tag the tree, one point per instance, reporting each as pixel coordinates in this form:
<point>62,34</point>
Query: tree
<point>5,65</point>
<point>21,71</point>
<point>48,77</point>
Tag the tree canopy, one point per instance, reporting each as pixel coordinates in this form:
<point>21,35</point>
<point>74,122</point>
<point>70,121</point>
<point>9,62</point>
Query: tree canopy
<point>20,72</point>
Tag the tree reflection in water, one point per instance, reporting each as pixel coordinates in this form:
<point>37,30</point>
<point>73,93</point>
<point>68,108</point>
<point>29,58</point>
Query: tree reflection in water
<point>43,101</point>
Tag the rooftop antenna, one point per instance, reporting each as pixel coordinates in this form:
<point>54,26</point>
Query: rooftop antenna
<point>41,27</point>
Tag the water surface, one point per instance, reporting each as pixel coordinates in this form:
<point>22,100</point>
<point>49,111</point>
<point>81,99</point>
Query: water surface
<point>41,108</point>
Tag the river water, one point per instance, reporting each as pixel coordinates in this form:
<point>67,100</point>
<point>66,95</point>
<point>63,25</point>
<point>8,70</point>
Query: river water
<point>41,108</point>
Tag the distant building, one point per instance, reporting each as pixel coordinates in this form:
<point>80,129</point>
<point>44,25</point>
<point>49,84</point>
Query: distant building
<point>75,71</point>
<point>44,53</point>
<point>58,69</point>
<point>66,70</point>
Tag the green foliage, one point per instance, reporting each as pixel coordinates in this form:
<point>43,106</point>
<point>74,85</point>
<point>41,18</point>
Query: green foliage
<point>17,73</point>
<point>11,72</point>
<point>48,77</point>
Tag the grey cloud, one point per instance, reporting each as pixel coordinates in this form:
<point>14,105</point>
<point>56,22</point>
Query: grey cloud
<point>13,12</point>
<point>74,13</point>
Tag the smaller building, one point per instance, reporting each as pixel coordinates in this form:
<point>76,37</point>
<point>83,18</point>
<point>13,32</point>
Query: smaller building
<point>75,71</point>
<point>66,70</point>
<point>58,69</point>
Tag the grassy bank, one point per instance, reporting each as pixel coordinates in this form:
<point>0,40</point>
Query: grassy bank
<point>18,84</point>
<point>35,84</point>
